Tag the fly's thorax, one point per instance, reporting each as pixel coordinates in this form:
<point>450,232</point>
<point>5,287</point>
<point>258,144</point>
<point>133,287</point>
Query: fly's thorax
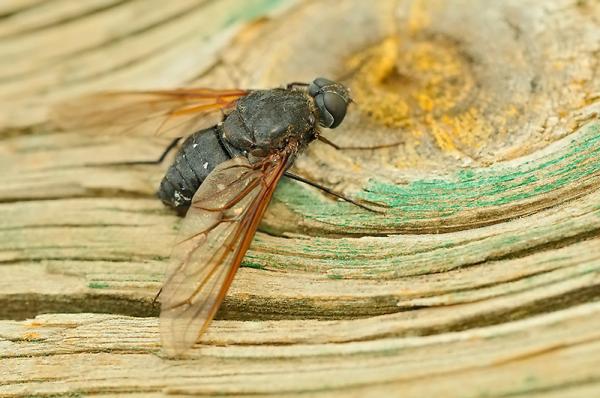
<point>267,121</point>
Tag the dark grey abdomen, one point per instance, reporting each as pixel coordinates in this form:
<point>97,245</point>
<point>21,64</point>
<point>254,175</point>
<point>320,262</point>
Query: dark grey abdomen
<point>199,154</point>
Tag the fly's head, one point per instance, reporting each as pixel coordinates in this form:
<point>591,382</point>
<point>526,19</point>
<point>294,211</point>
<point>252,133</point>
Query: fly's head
<point>331,100</point>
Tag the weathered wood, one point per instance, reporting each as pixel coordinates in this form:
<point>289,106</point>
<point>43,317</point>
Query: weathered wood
<point>482,279</point>
<point>99,354</point>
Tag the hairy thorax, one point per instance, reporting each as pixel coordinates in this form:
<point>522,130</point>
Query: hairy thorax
<point>266,120</point>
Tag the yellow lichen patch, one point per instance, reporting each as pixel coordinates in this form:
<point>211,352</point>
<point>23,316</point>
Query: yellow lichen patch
<point>369,73</point>
<point>442,137</point>
<point>411,85</point>
<point>373,83</point>
<point>425,86</point>
<point>31,336</point>
<point>419,16</point>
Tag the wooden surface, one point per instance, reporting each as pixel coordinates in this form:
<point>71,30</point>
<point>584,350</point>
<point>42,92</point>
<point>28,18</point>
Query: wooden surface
<point>481,280</point>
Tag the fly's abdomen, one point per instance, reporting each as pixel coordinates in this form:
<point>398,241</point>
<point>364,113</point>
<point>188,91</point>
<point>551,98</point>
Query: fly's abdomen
<point>199,154</point>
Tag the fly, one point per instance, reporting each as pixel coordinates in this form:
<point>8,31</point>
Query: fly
<point>239,144</point>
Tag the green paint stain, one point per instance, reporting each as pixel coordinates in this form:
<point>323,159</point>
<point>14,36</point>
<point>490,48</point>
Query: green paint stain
<point>249,264</point>
<point>249,10</point>
<point>98,285</point>
<point>465,189</point>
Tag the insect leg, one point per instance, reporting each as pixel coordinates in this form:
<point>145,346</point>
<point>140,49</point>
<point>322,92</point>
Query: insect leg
<point>157,295</point>
<point>326,141</point>
<point>296,84</point>
<point>329,191</point>
<point>162,157</point>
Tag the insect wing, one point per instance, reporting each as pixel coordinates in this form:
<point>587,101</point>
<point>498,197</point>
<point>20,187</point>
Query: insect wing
<point>213,239</point>
<point>170,113</point>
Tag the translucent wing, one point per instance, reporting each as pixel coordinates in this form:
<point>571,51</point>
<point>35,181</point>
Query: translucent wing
<point>213,239</point>
<point>173,113</point>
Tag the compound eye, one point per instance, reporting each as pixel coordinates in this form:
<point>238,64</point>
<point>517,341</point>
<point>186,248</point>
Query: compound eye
<point>322,82</point>
<point>336,106</point>
<point>318,84</point>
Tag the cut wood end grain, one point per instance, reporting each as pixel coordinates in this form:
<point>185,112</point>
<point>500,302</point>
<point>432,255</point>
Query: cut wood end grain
<point>482,279</point>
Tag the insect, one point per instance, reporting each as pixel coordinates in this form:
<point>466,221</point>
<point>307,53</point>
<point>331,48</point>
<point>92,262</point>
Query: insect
<point>224,174</point>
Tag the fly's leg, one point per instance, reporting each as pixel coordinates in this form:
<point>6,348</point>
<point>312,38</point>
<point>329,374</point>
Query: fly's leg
<point>158,161</point>
<point>334,145</point>
<point>156,297</point>
<point>333,193</point>
<point>296,84</point>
